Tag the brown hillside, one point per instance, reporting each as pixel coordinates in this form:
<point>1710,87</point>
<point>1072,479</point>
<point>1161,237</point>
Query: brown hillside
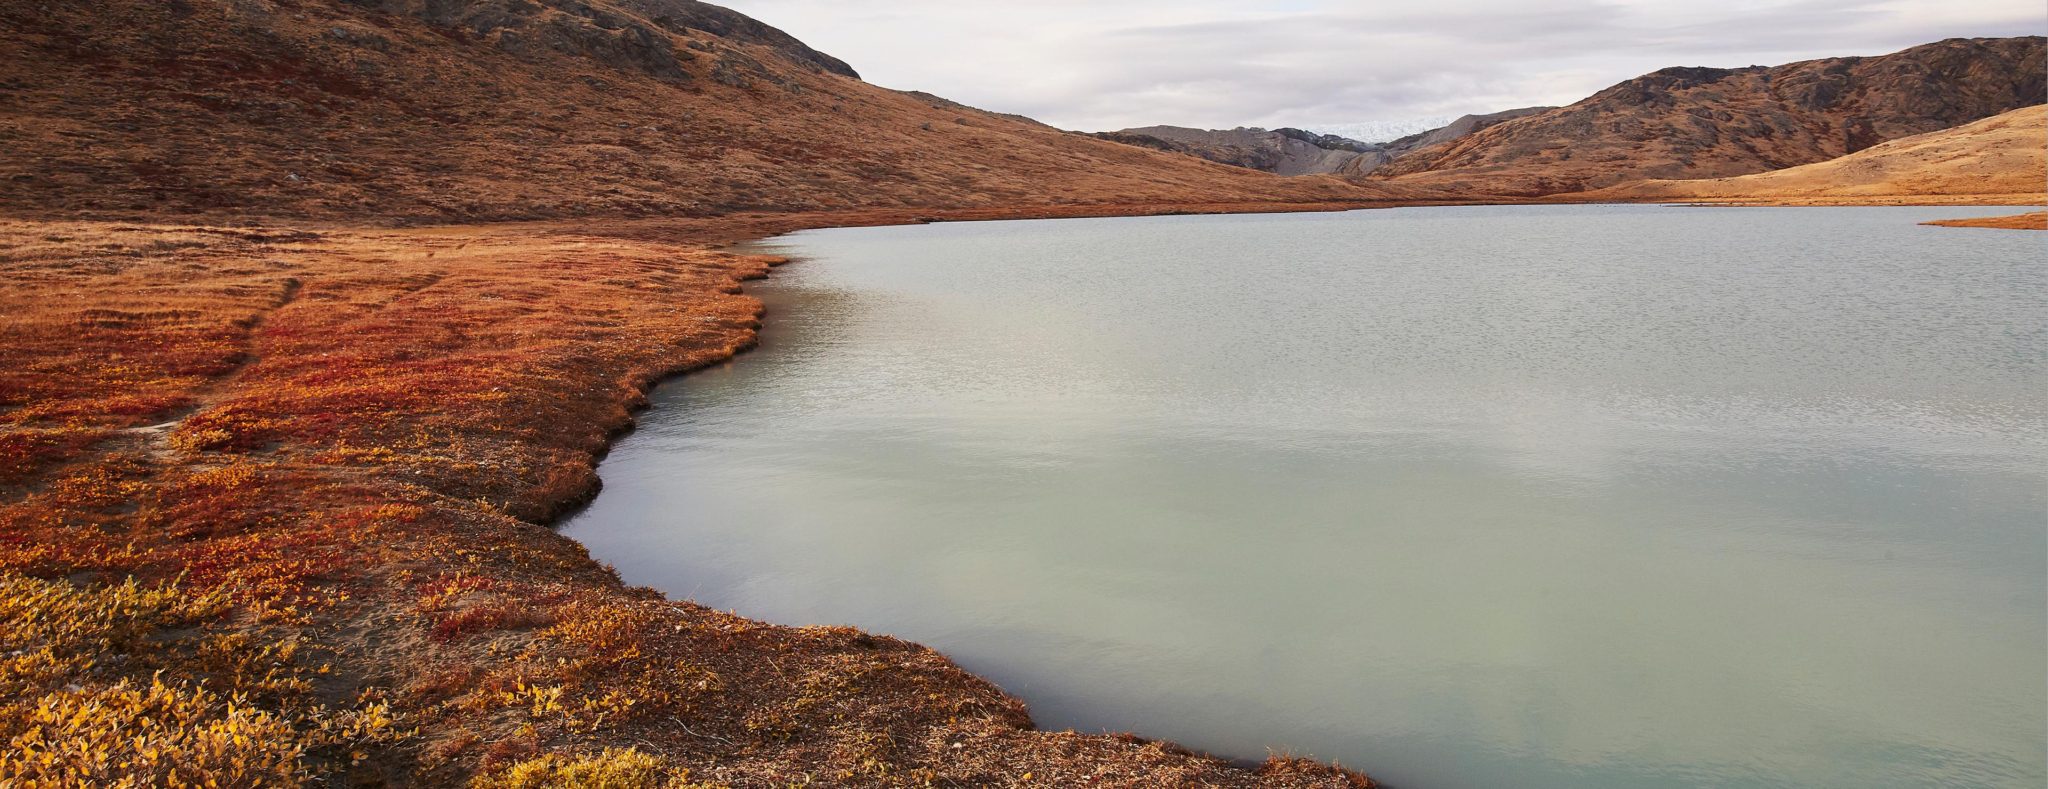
<point>512,109</point>
<point>2001,159</point>
<point>1711,123</point>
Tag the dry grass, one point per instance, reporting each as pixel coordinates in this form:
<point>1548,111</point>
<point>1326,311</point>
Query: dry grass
<point>278,514</point>
<point>2036,220</point>
<point>2000,160</point>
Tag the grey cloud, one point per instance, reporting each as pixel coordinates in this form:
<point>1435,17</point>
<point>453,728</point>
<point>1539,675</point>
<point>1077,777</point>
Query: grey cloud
<point>1213,63</point>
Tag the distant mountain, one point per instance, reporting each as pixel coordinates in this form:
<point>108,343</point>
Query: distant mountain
<point>1711,122</point>
<point>1382,131</point>
<point>1280,151</point>
<point>1298,152</point>
<point>1461,128</point>
<point>2001,159</point>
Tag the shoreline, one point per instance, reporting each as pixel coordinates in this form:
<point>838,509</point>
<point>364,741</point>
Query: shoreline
<point>373,434</point>
<point>2036,220</point>
<point>773,261</point>
<point>379,460</point>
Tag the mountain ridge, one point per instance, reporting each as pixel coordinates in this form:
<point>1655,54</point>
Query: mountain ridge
<point>466,110</point>
<point>2001,159</point>
<point>1698,122</point>
<point>1293,152</point>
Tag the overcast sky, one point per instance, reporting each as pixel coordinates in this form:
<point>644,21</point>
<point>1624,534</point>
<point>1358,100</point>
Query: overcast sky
<point>1106,64</point>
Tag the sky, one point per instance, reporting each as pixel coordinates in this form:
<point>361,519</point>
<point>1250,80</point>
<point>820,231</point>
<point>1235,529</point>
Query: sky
<point>1367,66</point>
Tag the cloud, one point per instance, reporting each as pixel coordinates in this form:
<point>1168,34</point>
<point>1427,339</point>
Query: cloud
<point>1213,63</point>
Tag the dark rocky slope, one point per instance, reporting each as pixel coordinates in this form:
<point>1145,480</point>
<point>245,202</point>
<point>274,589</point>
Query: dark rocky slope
<point>1464,126</point>
<point>1298,152</point>
<point>1279,151</point>
<point>1712,122</point>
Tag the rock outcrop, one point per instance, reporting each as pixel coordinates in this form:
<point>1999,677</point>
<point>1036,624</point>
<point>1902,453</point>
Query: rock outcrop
<point>1712,122</point>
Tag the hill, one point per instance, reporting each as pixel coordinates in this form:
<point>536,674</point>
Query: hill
<point>1464,126</point>
<point>1714,122</point>
<point>2002,159</point>
<point>1280,151</point>
<point>1298,152</point>
<point>445,110</point>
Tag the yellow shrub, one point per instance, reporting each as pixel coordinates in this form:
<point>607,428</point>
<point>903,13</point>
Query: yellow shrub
<point>67,717</point>
<point>614,769</point>
<point>170,736</point>
<point>50,630</point>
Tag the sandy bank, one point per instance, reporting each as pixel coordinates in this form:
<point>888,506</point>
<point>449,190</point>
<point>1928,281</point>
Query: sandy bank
<point>2037,220</point>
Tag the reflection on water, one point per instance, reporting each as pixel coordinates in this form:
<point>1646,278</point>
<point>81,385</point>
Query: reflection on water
<point>1544,497</point>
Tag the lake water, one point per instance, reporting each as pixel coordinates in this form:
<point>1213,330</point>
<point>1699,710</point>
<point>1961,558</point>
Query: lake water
<point>1586,496</point>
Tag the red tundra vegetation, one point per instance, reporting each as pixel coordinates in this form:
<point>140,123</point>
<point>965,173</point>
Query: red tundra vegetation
<point>275,511</point>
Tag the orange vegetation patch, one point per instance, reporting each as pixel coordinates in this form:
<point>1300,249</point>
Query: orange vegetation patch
<point>2037,220</point>
<point>277,498</point>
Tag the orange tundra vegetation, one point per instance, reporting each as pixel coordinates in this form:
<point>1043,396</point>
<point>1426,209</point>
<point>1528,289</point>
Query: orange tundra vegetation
<point>274,513</point>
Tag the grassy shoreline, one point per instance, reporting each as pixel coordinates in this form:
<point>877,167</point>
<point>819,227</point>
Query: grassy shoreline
<point>294,482</point>
<point>278,496</point>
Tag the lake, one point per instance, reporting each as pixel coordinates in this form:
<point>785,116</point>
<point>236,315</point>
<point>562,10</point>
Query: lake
<point>1559,496</point>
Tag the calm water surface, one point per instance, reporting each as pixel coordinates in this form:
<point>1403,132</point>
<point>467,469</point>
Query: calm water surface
<point>1466,497</point>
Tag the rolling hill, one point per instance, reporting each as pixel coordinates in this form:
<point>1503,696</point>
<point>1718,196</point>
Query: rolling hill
<point>1711,122</point>
<point>431,110</point>
<point>2002,159</point>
